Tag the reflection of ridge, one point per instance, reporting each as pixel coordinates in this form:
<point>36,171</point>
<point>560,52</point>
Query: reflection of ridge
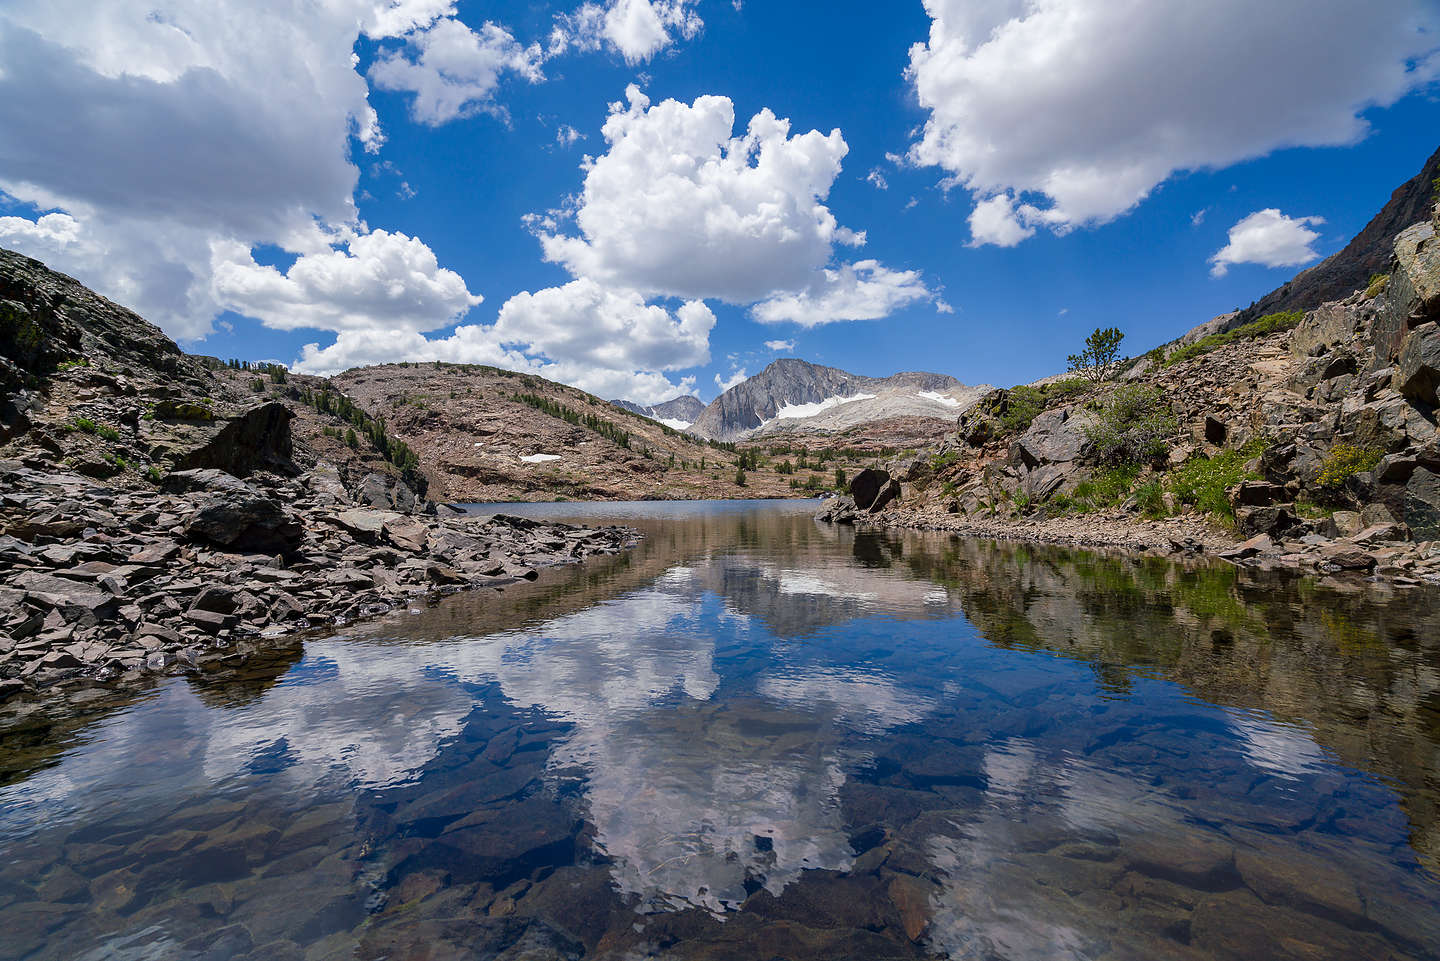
<point>799,596</point>
<point>1314,668</point>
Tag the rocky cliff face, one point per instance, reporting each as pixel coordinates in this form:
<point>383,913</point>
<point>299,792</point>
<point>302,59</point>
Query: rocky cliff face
<point>1369,253</point>
<point>1318,441</point>
<point>677,412</point>
<point>796,396</point>
<point>163,513</point>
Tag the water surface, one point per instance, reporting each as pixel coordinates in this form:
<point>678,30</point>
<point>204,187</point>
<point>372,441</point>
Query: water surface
<point>758,737</point>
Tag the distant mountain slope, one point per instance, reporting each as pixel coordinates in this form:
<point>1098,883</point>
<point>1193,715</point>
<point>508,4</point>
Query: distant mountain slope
<point>1366,255</point>
<point>677,412</point>
<point>487,434</point>
<point>795,396</point>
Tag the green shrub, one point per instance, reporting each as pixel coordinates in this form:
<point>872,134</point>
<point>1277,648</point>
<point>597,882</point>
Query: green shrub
<point>107,432</point>
<point>1023,405</point>
<point>1134,423</point>
<point>1269,324</point>
<point>257,386</point>
<point>739,478</point>
<point>1150,499</point>
<point>1377,285</point>
<point>153,475</point>
<point>1344,461</point>
<point>1103,490</point>
<point>84,425</point>
<point>1201,483</point>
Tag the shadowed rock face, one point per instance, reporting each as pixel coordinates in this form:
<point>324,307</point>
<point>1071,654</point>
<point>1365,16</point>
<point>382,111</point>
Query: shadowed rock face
<point>1368,254</point>
<point>47,318</point>
<point>257,439</point>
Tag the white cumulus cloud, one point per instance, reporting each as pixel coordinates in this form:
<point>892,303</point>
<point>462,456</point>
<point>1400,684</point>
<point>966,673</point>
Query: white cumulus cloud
<point>737,376</point>
<point>583,321</point>
<point>146,127</point>
<point>780,345</point>
<point>1269,238</point>
<point>610,343</point>
<point>52,232</point>
<point>452,70</point>
<point>636,29</point>
<point>1066,113</point>
<point>677,206</point>
<point>864,290</point>
<point>380,279</point>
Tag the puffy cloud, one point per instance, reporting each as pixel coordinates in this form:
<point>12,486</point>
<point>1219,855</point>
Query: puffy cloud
<point>147,129</point>
<point>608,342</point>
<point>453,71</point>
<point>780,345</point>
<point>877,180</point>
<point>737,376</point>
<point>583,321</point>
<point>993,221</point>
<point>1117,96</point>
<point>52,231</point>
<point>861,291</point>
<point>636,29</point>
<point>678,207</point>
<point>396,18</point>
<point>382,280</point>
<point>1269,238</point>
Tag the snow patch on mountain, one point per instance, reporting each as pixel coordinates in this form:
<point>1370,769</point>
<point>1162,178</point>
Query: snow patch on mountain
<point>940,398</point>
<point>796,411</point>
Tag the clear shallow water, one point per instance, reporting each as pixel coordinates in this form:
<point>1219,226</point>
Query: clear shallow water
<point>756,737</point>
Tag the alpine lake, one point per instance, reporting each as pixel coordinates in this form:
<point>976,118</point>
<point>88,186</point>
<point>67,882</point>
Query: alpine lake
<point>754,736</point>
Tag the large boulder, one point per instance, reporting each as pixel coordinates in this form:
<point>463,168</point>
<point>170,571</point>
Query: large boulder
<point>258,439</point>
<point>207,480</point>
<point>246,521</point>
<point>1323,329</point>
<point>1272,520</point>
<point>1412,294</point>
<point>1054,437</point>
<point>78,603</point>
<point>1422,504</point>
<point>888,493</point>
<point>866,486</point>
<point>1417,375</point>
<point>838,510</point>
<point>381,491</point>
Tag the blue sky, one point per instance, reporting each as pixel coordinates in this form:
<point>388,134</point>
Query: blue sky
<point>252,205</point>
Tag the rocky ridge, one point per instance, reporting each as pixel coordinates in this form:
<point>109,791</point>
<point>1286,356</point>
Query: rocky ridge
<point>1366,255</point>
<point>1322,428</point>
<point>677,412</point>
<point>161,512</point>
<point>795,396</point>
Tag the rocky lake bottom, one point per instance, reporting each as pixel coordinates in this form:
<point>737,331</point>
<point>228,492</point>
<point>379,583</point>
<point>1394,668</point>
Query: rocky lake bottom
<point>755,736</point>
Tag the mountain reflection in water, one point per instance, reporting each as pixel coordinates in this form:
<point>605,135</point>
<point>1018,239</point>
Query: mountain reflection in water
<point>754,736</point>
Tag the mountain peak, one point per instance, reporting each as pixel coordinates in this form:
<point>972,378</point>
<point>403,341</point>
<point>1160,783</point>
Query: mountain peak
<point>792,394</point>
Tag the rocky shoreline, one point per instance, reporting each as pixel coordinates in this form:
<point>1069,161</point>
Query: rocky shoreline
<point>1375,551</point>
<point>111,585</point>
